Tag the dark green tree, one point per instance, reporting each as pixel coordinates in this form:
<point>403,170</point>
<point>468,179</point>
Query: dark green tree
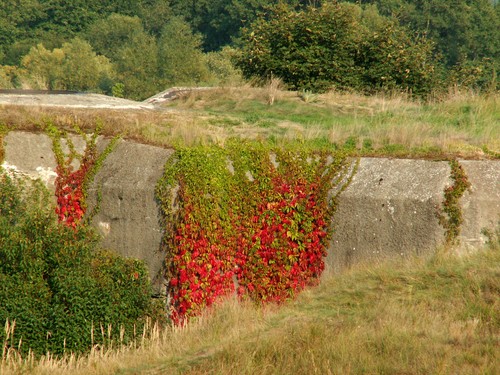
<point>464,30</point>
<point>180,59</point>
<point>337,46</point>
<point>220,21</point>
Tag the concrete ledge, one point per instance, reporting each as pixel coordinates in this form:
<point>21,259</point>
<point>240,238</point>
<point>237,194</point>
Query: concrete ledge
<point>481,204</point>
<point>128,217</point>
<point>31,154</point>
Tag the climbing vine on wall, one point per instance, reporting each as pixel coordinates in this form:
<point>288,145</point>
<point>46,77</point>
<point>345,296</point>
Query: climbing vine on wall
<point>450,215</point>
<point>71,182</point>
<point>3,132</point>
<point>246,219</point>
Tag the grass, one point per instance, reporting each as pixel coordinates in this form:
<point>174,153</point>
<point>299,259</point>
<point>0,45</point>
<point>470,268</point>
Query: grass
<point>433,316</point>
<point>425,316</point>
<point>461,124</point>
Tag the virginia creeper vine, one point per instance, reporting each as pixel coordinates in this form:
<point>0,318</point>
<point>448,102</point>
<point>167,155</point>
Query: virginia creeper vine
<point>71,184</point>
<point>450,215</point>
<point>246,219</point>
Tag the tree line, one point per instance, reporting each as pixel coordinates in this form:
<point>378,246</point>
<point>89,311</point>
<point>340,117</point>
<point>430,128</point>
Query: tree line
<point>135,48</point>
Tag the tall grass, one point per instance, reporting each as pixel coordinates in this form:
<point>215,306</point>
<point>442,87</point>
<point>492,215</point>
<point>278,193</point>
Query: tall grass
<point>433,316</point>
<point>461,123</point>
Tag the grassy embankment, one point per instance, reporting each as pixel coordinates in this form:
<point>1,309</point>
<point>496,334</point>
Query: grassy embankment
<point>425,316</point>
<point>434,316</point>
<point>460,124</point>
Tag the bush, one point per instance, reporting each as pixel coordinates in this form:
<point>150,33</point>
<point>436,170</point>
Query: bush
<point>58,287</point>
<point>75,66</point>
<point>337,46</point>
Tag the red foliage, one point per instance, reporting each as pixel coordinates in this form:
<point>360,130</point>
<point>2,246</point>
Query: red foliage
<point>268,252</point>
<point>69,188</point>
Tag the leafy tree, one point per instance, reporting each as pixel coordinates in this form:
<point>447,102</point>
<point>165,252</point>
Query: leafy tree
<point>136,64</point>
<point>220,21</point>
<point>44,67</point>
<point>181,61</point>
<point>70,17</point>
<point>133,53</point>
<point>154,14</point>
<point>108,35</point>
<point>221,68</point>
<point>18,21</point>
<point>336,46</point>
<point>75,66</point>
<point>462,29</point>
<point>16,17</point>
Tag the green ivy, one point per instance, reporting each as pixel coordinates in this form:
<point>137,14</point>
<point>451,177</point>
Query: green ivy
<point>58,291</point>
<point>450,216</point>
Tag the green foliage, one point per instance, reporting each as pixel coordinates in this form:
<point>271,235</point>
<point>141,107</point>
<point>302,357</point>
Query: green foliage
<point>9,76</point>
<point>337,46</point>
<point>133,53</point>
<point>108,35</point>
<point>221,69</point>
<point>17,19</point>
<point>480,75</point>
<point>465,33</point>
<point>180,59</point>
<point>137,66</point>
<point>75,66</point>
<point>450,216</point>
<point>55,284</point>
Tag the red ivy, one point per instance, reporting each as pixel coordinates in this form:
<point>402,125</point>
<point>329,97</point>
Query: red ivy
<point>69,188</point>
<point>268,252</point>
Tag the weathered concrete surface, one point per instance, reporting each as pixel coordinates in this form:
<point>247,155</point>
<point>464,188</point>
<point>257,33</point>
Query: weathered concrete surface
<point>128,216</point>
<point>79,100</point>
<point>388,210</point>
<point>32,154</point>
<point>481,204</point>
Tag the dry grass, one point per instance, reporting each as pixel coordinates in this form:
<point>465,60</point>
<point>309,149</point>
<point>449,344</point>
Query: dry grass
<point>437,316</point>
<point>462,124</point>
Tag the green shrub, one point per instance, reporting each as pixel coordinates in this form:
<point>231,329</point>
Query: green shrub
<point>74,66</point>
<point>63,293</point>
<point>337,46</point>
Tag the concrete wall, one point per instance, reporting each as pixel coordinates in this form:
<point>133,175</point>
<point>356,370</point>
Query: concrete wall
<point>388,210</point>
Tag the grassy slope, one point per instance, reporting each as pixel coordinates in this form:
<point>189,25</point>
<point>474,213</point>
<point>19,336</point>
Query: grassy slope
<point>439,316</point>
<point>380,125</point>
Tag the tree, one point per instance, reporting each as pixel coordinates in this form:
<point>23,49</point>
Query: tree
<point>462,29</point>
<point>181,61</point>
<point>154,14</point>
<point>220,21</point>
<point>132,51</point>
<point>18,20</point>
<point>109,35</point>
<point>75,66</point>
<point>336,46</point>
<point>136,64</point>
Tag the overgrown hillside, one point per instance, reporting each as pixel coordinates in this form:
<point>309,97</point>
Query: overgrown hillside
<point>458,124</point>
<point>439,315</point>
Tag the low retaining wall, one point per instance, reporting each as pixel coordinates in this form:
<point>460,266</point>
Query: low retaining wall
<point>388,210</point>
